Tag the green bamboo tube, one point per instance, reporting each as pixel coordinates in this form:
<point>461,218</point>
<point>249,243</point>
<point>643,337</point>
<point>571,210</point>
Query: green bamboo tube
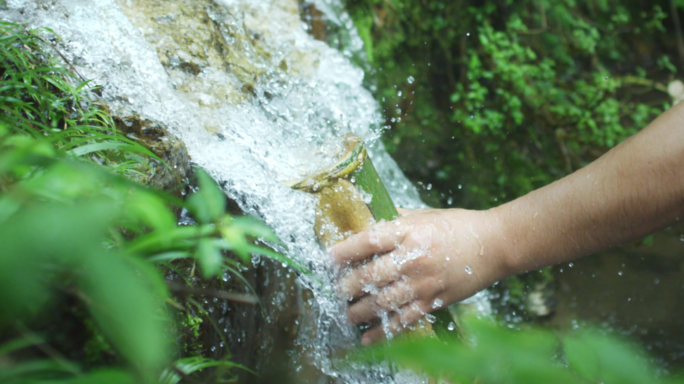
<point>342,211</point>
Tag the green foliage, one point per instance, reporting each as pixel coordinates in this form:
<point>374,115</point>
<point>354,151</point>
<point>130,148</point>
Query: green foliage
<point>503,97</point>
<point>51,103</point>
<point>71,224</point>
<point>493,354</point>
<point>489,100</point>
<point>193,364</point>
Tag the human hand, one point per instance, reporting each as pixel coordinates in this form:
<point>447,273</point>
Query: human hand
<point>421,262</point>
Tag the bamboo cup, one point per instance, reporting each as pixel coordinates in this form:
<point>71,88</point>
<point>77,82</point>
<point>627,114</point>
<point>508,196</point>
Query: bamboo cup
<point>351,197</point>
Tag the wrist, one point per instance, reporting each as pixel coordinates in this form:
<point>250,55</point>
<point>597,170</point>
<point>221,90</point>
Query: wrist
<point>503,243</point>
<point>488,247</point>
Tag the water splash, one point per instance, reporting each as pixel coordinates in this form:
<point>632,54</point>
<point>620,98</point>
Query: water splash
<point>253,96</point>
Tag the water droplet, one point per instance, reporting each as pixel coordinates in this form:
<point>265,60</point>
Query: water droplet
<point>468,34</point>
<point>370,288</point>
<point>437,304</point>
<point>430,318</point>
<point>450,201</point>
<point>619,273</point>
<point>656,281</point>
<point>460,186</point>
<point>451,326</point>
<point>571,265</point>
<point>469,270</point>
<point>410,79</point>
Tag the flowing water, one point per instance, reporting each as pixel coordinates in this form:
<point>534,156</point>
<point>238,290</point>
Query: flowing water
<point>255,98</point>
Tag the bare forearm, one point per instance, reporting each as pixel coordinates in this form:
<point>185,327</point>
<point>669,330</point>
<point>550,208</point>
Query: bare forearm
<point>428,259</point>
<point>633,190</point>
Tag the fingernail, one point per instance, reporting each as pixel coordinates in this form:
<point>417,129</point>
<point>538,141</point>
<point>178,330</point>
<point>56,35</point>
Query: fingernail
<point>366,341</point>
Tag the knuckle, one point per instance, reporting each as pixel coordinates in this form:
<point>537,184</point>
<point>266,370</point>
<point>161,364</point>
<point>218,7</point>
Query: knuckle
<point>385,301</point>
<point>420,262</point>
<point>354,314</point>
<point>389,266</point>
<point>366,274</point>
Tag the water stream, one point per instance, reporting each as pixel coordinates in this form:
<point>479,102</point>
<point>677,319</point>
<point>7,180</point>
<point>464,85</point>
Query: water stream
<point>254,97</point>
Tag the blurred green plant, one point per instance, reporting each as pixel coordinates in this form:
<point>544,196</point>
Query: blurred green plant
<point>189,365</point>
<point>52,103</point>
<point>72,224</point>
<point>493,354</point>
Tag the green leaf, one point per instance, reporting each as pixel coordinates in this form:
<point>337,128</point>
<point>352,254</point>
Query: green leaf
<point>8,207</point>
<point>18,344</point>
<point>24,371</point>
<point>190,365</point>
<point>601,358</point>
<point>125,296</point>
<point>253,227</point>
<point>167,256</point>
<point>492,354</point>
<point>237,240</point>
<point>105,376</point>
<point>151,209</point>
<point>108,146</point>
<point>125,302</point>
<point>208,204</point>
<point>209,257</point>
<point>41,234</point>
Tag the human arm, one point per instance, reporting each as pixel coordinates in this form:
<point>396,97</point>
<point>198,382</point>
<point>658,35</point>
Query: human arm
<point>449,255</point>
<point>633,190</point>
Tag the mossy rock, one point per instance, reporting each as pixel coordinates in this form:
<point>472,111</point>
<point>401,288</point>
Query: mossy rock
<point>170,149</point>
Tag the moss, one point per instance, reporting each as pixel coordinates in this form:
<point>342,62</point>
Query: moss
<point>97,350</point>
<point>173,173</point>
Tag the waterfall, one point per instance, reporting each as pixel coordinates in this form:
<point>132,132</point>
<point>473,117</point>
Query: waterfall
<point>254,97</point>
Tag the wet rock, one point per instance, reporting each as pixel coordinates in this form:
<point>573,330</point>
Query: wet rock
<point>195,40</point>
<point>255,336</point>
<point>172,176</point>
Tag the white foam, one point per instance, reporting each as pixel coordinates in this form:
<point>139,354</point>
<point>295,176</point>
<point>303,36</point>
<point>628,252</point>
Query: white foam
<point>252,143</point>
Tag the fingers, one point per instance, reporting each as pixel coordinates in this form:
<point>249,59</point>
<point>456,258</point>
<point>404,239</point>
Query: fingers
<point>379,239</point>
<point>375,274</point>
<point>408,212</point>
<point>407,316</point>
<point>403,211</point>
<point>389,299</point>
